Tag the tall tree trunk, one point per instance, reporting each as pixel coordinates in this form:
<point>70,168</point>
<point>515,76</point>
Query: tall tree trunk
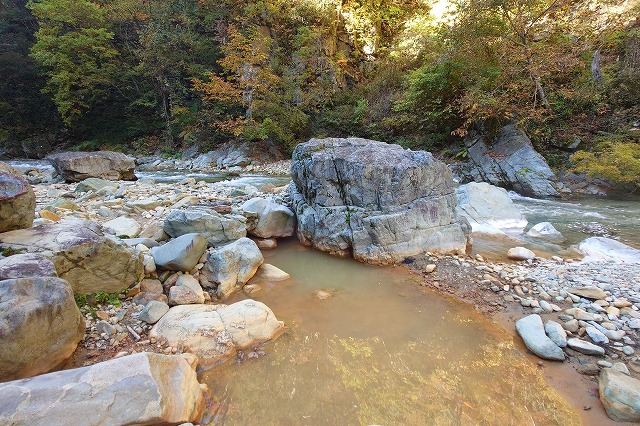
<point>166,115</point>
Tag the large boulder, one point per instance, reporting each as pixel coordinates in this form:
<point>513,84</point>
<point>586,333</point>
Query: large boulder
<point>216,228</point>
<point>601,249</point>
<point>377,201</point>
<point>509,160</point>
<point>489,209</point>
<point>78,166</point>
<point>231,266</point>
<point>26,265</point>
<point>141,389</point>
<point>620,395</point>
<point>531,329</point>
<point>215,332</point>
<point>180,254</point>
<point>17,200</point>
<point>272,220</point>
<point>40,326</point>
<point>82,254</point>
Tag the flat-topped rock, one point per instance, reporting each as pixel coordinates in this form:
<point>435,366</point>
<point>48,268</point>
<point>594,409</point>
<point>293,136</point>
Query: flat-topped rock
<point>216,228</point>
<point>17,200</point>
<point>601,249</point>
<point>26,265</point>
<point>215,332</point>
<point>82,254</point>
<point>375,201</point>
<point>78,166</point>
<point>141,389</point>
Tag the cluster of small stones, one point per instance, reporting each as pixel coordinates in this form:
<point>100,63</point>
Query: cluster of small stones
<point>118,330</point>
<point>143,201</point>
<point>609,317</point>
<point>278,168</point>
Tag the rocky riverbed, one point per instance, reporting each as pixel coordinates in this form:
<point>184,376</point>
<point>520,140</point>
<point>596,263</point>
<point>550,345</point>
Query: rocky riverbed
<point>589,311</point>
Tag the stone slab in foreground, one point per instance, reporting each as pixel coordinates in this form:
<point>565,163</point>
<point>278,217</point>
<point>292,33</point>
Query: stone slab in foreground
<point>140,389</point>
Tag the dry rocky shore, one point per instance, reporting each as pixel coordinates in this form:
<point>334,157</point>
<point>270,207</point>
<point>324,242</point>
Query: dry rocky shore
<point>170,254</point>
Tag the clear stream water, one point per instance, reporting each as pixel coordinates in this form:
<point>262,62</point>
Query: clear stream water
<point>380,350</point>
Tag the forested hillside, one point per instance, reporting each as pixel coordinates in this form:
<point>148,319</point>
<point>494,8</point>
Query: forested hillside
<point>149,75</point>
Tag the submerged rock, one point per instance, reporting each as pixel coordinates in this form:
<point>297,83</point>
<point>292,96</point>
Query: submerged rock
<point>82,254</point>
<point>17,200</point>
<point>77,166</point>
<point>620,395</point>
<point>489,209</point>
<point>141,389</point>
<point>40,326</point>
<point>532,331</point>
<point>215,332</point>
<point>379,202</point>
<point>510,161</point>
<point>546,231</point>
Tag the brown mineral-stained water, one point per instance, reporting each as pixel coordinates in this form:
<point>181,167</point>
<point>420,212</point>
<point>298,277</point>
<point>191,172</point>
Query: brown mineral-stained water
<point>380,350</point>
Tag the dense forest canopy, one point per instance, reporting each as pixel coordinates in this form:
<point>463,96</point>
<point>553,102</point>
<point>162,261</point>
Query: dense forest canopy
<point>144,75</point>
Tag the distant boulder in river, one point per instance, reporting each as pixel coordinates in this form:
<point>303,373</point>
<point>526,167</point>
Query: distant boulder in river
<point>376,201</point>
<point>78,166</point>
<point>509,160</point>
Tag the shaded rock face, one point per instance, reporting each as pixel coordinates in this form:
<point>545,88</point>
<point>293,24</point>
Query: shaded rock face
<point>77,166</point>
<point>180,254</point>
<point>82,254</point>
<point>511,162</point>
<point>141,389</point>
<point>377,201</point>
<point>17,200</point>
<point>40,326</point>
<point>215,332</point>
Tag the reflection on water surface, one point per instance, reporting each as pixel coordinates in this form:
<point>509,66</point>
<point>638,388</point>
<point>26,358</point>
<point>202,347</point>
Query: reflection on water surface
<point>380,350</point>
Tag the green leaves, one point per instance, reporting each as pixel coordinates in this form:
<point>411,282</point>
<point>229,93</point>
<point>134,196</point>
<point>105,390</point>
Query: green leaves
<point>75,49</point>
